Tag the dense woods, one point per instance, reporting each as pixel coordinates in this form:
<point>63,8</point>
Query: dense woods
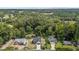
<point>61,23</point>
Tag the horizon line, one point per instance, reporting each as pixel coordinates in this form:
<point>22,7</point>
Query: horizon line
<point>39,7</point>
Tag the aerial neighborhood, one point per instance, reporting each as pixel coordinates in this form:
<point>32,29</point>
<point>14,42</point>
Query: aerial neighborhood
<point>39,29</point>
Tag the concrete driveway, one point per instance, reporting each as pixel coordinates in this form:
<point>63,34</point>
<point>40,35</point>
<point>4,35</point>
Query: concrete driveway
<point>52,45</point>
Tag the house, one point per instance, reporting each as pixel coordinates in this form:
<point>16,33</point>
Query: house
<point>77,44</point>
<point>36,39</point>
<point>52,41</point>
<point>37,42</point>
<point>67,42</point>
<point>20,41</point>
<point>74,43</point>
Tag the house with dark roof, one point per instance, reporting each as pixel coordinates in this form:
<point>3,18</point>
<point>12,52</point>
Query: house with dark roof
<point>52,39</point>
<point>20,41</point>
<point>77,43</point>
<point>37,42</point>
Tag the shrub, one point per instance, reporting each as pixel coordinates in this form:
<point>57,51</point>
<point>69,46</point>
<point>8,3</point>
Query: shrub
<point>28,36</point>
<point>59,46</point>
<point>46,46</point>
<point>77,48</point>
<point>68,48</point>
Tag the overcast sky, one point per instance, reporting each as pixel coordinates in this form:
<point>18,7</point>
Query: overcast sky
<point>39,3</point>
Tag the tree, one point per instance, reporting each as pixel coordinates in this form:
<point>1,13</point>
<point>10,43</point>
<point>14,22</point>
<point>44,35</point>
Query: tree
<point>77,29</point>
<point>1,40</point>
<point>28,29</point>
<point>70,27</point>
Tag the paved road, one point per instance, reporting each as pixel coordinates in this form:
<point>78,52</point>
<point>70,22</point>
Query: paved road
<point>7,44</point>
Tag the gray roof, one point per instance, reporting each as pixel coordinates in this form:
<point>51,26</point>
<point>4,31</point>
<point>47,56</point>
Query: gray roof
<point>52,39</point>
<point>20,40</point>
<point>67,42</point>
<point>36,39</point>
<point>78,43</point>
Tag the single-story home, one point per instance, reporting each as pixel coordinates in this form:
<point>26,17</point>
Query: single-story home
<point>20,41</point>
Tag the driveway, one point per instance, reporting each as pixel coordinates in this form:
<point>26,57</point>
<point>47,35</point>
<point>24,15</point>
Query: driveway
<point>38,47</point>
<point>52,46</point>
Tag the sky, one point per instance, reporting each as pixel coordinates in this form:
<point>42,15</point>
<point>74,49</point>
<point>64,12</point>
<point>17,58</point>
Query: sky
<point>39,4</point>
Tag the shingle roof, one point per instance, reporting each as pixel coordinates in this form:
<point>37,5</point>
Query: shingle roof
<point>67,42</point>
<point>20,40</point>
<point>36,39</point>
<point>77,43</point>
<point>52,39</point>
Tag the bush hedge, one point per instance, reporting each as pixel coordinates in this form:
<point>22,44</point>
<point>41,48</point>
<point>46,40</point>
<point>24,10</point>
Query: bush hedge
<point>77,49</point>
<point>61,47</point>
<point>58,46</point>
<point>68,48</point>
<point>46,46</point>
